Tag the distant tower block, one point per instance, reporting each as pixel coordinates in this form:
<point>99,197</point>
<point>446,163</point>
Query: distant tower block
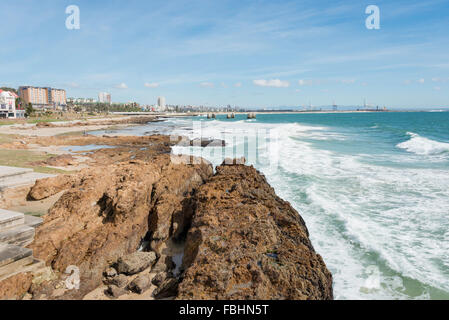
<point>334,106</point>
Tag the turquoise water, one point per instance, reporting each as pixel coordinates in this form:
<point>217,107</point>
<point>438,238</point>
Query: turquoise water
<point>373,189</point>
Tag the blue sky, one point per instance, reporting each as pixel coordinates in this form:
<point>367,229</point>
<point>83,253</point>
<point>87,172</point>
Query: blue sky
<point>245,53</point>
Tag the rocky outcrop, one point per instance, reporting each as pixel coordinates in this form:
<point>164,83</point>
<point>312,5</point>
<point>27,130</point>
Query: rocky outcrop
<point>105,214</point>
<point>247,243</point>
<point>48,187</point>
<point>117,220</point>
<point>15,287</point>
<point>135,262</point>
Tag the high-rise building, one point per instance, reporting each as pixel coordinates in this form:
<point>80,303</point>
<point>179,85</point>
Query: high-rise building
<point>161,103</point>
<point>43,97</point>
<point>104,97</point>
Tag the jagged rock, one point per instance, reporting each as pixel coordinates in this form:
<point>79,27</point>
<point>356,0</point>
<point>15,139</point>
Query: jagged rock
<point>160,277</point>
<point>135,262</point>
<point>168,288</point>
<point>48,187</point>
<point>140,284</point>
<point>16,286</point>
<point>165,263</point>
<point>120,281</point>
<point>106,215</point>
<point>110,272</point>
<point>201,142</point>
<point>248,244</point>
<point>236,161</point>
<point>115,292</point>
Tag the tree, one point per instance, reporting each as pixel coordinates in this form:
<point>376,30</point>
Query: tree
<point>29,110</point>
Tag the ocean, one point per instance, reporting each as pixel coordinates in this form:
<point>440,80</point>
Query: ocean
<point>373,189</point>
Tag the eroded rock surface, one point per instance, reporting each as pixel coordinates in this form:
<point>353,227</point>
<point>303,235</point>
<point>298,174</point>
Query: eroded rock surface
<point>247,243</point>
<point>105,215</point>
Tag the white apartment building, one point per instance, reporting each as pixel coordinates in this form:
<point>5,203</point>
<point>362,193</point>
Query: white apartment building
<point>7,104</point>
<point>104,97</point>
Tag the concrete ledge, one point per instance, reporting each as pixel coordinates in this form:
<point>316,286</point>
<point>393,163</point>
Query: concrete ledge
<point>19,236</point>
<point>10,219</point>
<point>33,221</point>
<point>12,171</point>
<point>11,253</point>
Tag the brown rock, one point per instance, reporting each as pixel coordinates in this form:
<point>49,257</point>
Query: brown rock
<point>168,288</point>
<point>165,263</point>
<point>110,272</point>
<point>135,262</point>
<point>120,281</point>
<point>140,284</point>
<point>48,187</point>
<point>15,287</point>
<point>105,214</point>
<point>160,277</point>
<point>115,292</point>
<point>247,243</point>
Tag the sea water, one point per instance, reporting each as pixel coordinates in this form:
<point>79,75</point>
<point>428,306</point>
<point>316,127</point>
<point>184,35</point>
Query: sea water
<point>373,189</point>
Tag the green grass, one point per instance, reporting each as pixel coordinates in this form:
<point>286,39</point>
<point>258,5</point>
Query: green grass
<point>25,159</point>
<point>34,214</point>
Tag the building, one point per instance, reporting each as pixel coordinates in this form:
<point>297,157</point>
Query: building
<point>8,105</point>
<point>161,103</point>
<point>57,97</point>
<point>43,97</point>
<point>104,97</point>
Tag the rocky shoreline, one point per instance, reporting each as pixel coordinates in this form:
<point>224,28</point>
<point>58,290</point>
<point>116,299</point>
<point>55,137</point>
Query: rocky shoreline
<point>139,222</point>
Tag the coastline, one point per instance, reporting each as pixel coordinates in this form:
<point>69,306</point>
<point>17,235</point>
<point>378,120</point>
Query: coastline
<point>147,161</point>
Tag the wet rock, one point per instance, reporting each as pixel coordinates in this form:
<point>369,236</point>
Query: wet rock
<point>140,284</point>
<point>168,288</point>
<point>135,262</point>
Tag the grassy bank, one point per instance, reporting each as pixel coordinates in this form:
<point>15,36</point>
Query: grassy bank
<point>27,159</point>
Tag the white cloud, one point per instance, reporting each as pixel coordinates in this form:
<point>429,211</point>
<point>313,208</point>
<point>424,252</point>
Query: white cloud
<point>121,86</point>
<point>421,80</point>
<point>275,83</point>
<point>303,82</point>
<point>151,84</point>
<point>298,90</point>
<point>407,81</point>
<point>238,84</point>
<point>207,84</point>
<point>224,85</point>
<point>437,88</point>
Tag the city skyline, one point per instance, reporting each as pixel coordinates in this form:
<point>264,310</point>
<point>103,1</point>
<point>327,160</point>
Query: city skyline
<point>250,54</point>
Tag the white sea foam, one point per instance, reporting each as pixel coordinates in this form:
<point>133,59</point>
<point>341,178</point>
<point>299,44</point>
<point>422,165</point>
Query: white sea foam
<point>359,214</point>
<point>423,146</point>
